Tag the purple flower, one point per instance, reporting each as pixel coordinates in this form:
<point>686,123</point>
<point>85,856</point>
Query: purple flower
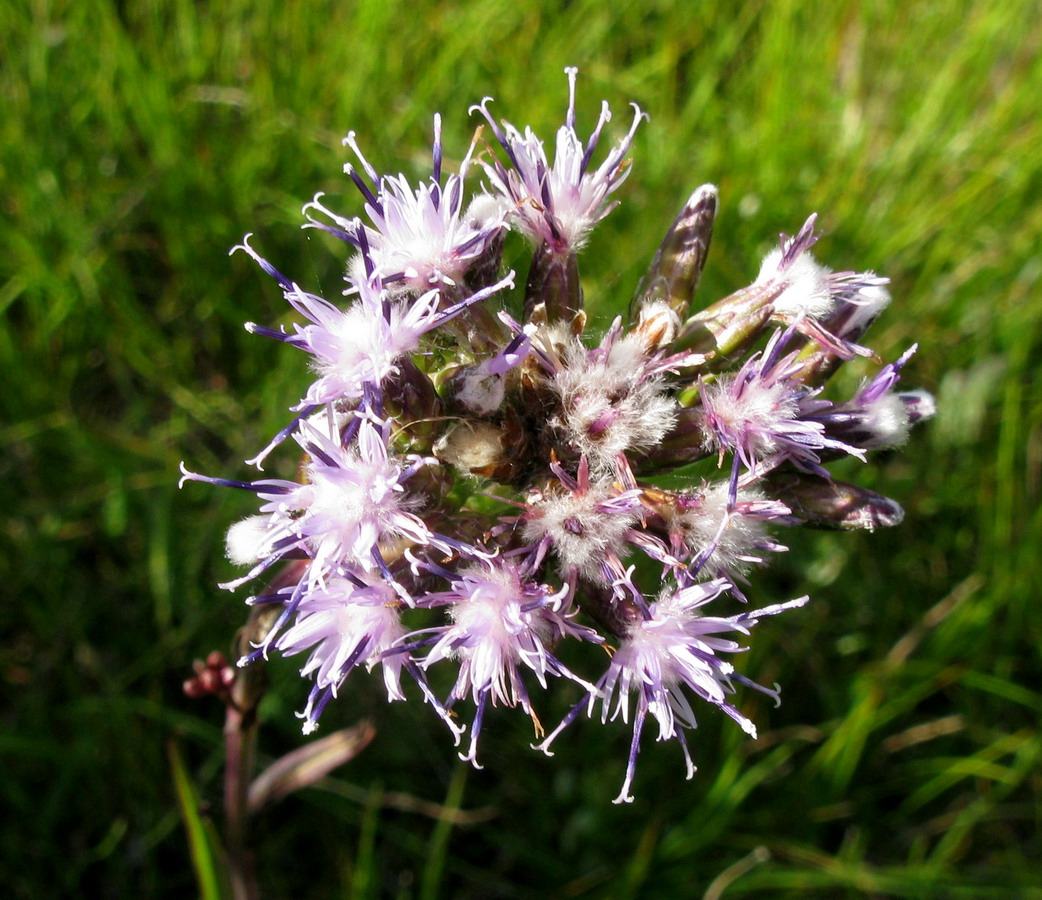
<point>352,501</point>
<point>477,489</point>
<point>764,415</point>
<point>422,237</point>
<point>876,417</point>
<point>587,523</point>
<point>671,650</point>
<point>357,348</point>
<point>501,623</point>
<point>609,399</point>
<point>802,282</point>
<point>831,308</point>
<point>346,622</point>
<point>559,204</point>
<point>722,538</point>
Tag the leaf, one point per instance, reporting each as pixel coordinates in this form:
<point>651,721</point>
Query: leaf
<point>203,842</point>
<point>303,767</point>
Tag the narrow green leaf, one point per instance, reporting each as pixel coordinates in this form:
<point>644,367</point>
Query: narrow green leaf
<point>201,840</point>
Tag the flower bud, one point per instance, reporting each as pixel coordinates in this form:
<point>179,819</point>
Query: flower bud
<point>553,280</point>
<point>674,271</point>
<point>484,268</point>
<point>730,325</point>
<point>616,615</point>
<point>657,325</point>
<point>919,405</point>
<point>834,504</point>
<point>473,446</point>
<point>412,400</point>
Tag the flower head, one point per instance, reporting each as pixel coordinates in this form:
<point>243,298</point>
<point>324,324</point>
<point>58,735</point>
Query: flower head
<point>480,491</point>
<point>672,650</point>
<point>876,417</point>
<point>610,399</point>
<point>420,237</point>
<point>501,623</point>
<point>347,621</point>
<point>586,524</point>
<point>721,536</point>
<point>763,414</point>
<point>558,204</point>
<point>356,349</point>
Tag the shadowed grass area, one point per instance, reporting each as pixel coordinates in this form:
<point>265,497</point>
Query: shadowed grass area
<point>140,140</point>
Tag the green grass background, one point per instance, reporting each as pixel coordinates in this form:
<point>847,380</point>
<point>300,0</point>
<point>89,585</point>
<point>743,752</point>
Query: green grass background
<point>139,141</point>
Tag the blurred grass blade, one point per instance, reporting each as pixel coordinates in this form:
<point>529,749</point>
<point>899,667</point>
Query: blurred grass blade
<point>202,841</point>
<point>364,878</point>
<point>438,847</point>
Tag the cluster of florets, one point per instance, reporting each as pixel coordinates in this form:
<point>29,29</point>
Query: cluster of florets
<point>472,451</point>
